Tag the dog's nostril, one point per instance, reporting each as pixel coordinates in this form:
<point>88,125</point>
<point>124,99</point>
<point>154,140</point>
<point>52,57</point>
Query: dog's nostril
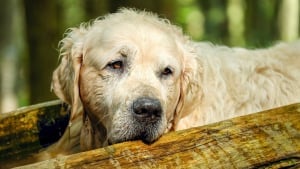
<point>147,107</point>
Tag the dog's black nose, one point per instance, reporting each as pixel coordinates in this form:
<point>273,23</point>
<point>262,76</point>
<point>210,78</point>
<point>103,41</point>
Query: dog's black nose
<point>146,107</point>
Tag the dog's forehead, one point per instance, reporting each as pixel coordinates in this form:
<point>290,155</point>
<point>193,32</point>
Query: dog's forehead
<point>148,42</point>
<point>144,36</point>
<point>131,30</point>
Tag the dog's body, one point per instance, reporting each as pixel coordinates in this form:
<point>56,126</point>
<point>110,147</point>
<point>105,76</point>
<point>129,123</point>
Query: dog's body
<point>238,81</point>
<point>134,76</point>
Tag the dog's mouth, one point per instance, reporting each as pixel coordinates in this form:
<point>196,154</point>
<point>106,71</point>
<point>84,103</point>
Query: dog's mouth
<point>147,137</point>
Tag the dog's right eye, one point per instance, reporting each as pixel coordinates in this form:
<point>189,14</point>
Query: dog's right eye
<point>116,65</point>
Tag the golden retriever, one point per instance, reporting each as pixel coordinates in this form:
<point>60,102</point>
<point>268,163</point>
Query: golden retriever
<point>132,75</point>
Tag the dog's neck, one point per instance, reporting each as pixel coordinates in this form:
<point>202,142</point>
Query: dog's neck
<point>93,133</point>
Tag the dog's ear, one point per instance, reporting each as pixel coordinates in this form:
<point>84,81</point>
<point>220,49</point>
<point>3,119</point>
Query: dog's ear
<point>65,79</point>
<point>189,82</point>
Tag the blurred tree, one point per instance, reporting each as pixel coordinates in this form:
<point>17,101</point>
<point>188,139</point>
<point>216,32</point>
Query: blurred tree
<point>166,8</point>
<point>96,8</point>
<point>13,84</point>
<point>216,29</point>
<point>43,34</point>
<point>191,18</point>
<point>288,20</point>
<point>72,13</point>
<point>260,27</point>
<point>236,20</point>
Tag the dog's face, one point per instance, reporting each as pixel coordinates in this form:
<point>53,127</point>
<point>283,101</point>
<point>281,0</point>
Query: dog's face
<point>130,80</point>
<point>130,73</point>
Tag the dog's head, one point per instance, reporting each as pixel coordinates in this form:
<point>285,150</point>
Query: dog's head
<point>131,73</point>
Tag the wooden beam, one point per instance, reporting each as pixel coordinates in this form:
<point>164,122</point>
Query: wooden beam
<point>27,130</point>
<point>269,139</point>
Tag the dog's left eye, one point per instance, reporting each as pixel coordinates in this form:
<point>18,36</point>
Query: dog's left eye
<point>116,65</point>
<point>167,71</point>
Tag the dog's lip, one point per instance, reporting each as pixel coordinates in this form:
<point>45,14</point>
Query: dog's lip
<point>143,136</point>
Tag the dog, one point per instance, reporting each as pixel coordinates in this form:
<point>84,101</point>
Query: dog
<point>131,75</point>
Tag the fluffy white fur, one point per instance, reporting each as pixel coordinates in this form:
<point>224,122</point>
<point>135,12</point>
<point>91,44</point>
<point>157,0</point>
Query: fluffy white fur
<point>236,81</point>
<point>214,82</point>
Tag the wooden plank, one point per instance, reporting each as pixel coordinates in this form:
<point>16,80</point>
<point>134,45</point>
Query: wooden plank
<point>269,139</point>
<point>27,130</point>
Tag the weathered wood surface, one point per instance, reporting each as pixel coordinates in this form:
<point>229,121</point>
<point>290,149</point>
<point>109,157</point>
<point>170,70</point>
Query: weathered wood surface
<point>269,139</point>
<point>27,130</point>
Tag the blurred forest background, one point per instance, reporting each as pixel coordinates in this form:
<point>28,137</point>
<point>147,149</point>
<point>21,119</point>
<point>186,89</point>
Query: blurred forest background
<point>31,30</point>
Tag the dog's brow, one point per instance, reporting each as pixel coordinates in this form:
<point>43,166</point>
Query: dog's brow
<point>117,52</point>
<point>126,51</point>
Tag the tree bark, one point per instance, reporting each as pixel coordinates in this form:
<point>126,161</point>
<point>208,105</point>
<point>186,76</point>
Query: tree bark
<point>268,139</point>
<point>27,130</point>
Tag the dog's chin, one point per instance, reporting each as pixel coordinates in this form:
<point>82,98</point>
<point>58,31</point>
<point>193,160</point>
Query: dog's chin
<point>143,137</point>
<point>148,136</point>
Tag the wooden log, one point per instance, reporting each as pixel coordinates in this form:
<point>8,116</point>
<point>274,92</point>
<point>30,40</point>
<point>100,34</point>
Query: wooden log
<point>269,139</point>
<point>27,130</point>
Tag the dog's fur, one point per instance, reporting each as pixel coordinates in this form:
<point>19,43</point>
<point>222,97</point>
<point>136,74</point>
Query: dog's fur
<point>109,66</point>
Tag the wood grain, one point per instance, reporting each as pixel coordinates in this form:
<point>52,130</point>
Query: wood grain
<point>269,139</point>
<point>27,130</point>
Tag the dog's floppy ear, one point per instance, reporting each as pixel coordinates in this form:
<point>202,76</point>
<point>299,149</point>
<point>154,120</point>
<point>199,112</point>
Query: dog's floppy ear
<point>189,83</point>
<point>65,80</point>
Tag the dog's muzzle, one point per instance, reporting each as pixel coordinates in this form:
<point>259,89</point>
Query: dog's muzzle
<point>146,117</point>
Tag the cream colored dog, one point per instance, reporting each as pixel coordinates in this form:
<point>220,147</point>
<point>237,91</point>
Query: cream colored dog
<point>131,75</point>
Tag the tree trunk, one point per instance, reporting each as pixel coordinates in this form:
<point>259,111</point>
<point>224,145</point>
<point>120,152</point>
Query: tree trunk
<point>43,35</point>
<point>96,8</point>
<point>13,83</point>
<point>260,22</point>
<point>268,139</point>
<point>289,20</point>
<point>235,14</point>
<point>27,130</point>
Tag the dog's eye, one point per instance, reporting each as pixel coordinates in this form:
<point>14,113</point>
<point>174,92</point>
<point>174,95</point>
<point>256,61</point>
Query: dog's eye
<point>117,65</point>
<point>167,71</point>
